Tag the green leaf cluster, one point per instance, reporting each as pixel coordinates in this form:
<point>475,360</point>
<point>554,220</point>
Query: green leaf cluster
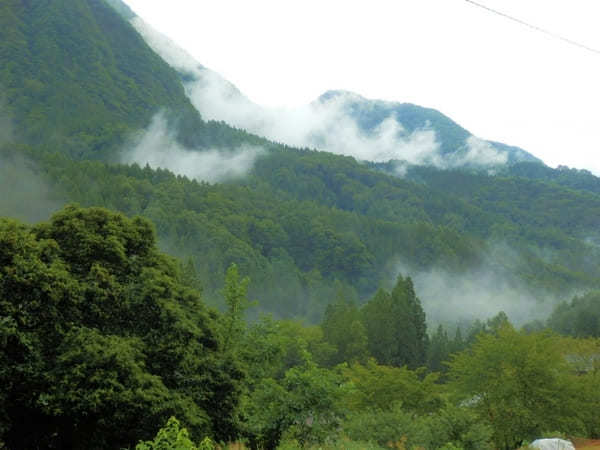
<point>100,341</point>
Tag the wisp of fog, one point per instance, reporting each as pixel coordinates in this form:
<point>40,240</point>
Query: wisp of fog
<point>157,147</point>
<point>27,195</point>
<point>323,124</point>
<point>31,198</point>
<point>449,297</point>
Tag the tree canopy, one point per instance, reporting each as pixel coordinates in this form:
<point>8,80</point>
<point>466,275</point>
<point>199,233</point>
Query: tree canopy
<point>98,330</point>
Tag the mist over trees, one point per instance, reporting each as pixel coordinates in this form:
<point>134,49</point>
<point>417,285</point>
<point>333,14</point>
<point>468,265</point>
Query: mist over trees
<point>301,299</point>
<point>104,338</point>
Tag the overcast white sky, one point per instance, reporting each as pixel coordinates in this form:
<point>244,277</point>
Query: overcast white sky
<point>500,80</point>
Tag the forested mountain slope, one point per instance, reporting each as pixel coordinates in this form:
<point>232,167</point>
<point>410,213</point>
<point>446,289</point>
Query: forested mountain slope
<point>579,179</point>
<point>77,78</point>
<point>455,142</point>
<point>303,224</point>
<point>104,338</point>
<point>305,219</point>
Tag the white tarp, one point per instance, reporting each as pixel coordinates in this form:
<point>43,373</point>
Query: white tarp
<point>552,444</point>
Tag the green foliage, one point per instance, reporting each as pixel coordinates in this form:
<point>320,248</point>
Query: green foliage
<point>583,357</point>
<point>340,444</point>
<point>101,381</point>
<point>77,76</point>
<point>235,293</point>
<point>449,428</point>
<point>459,427</point>
<point>520,384</point>
<point>343,330</point>
<point>395,324</point>
<point>381,427</point>
<point>383,387</point>
<point>100,341</point>
<point>550,225</point>
<point>439,350</point>
<point>173,437</point>
<point>294,247</point>
<point>579,318</point>
<point>579,179</point>
<point>302,406</point>
<point>272,347</point>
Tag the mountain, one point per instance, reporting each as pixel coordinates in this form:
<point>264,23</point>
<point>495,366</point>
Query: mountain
<point>303,224</point>
<point>338,121</point>
<point>105,338</point>
<point>80,70</point>
<point>456,145</point>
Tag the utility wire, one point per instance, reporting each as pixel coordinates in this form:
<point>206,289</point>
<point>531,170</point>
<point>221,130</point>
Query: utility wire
<point>536,28</point>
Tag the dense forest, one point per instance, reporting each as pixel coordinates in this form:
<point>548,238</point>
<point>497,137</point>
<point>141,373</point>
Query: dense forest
<point>290,306</point>
<point>104,338</point>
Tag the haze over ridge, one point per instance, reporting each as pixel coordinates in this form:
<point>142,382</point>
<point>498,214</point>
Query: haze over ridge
<point>338,121</point>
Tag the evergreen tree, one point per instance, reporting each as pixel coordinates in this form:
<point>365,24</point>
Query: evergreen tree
<point>439,350</point>
<point>395,324</point>
<point>343,329</point>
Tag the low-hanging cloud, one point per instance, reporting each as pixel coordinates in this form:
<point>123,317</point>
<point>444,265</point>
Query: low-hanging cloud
<point>31,197</point>
<point>450,298</point>
<point>325,124</point>
<point>157,147</point>
<point>480,153</point>
<point>27,195</point>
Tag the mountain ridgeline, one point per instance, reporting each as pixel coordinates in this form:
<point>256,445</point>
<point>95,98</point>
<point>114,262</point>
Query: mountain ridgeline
<point>77,69</point>
<point>453,139</point>
<point>340,122</point>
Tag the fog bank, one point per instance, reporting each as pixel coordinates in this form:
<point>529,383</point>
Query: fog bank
<point>27,196</point>
<point>480,293</point>
<point>326,124</point>
<point>157,147</point>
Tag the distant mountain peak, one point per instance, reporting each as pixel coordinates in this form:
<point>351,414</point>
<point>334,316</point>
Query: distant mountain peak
<point>339,93</point>
<point>339,121</point>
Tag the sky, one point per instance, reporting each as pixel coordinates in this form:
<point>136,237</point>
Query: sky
<point>500,80</point>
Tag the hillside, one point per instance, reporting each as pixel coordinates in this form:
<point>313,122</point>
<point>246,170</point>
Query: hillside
<point>80,70</point>
<point>168,281</point>
<point>457,146</point>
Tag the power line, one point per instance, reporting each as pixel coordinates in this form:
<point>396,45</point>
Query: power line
<point>536,28</point>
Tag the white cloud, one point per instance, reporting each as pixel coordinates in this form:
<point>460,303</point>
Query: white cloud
<point>450,297</point>
<point>480,153</point>
<point>157,147</point>
<point>29,196</point>
<point>509,85</point>
<point>325,125</point>
<point>322,125</point>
